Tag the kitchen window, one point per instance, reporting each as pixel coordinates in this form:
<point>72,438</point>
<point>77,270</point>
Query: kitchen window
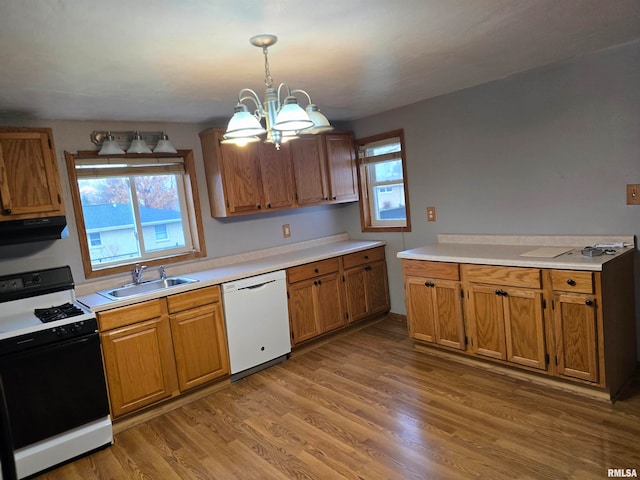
<point>383,187</point>
<point>135,209</point>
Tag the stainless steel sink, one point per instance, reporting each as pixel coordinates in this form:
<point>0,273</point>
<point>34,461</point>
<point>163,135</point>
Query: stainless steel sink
<point>133,289</point>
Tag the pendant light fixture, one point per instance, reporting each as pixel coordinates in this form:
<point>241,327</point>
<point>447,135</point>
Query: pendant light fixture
<point>284,119</point>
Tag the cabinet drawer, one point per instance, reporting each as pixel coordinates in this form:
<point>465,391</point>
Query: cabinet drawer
<point>194,298</point>
<point>572,281</point>
<point>310,270</point>
<point>120,317</point>
<point>507,276</point>
<point>426,268</point>
<point>360,258</point>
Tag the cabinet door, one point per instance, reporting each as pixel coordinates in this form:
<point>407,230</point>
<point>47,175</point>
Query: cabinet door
<point>241,178</point>
<point>139,365</point>
<point>486,321</point>
<point>447,313</point>
<point>302,314</point>
<point>200,345</point>
<point>276,175</point>
<point>377,287</point>
<point>341,163</point>
<point>307,153</point>
<point>328,301</point>
<point>355,285</point>
<point>29,184</point>
<point>524,327</point>
<point>420,320</point>
<point>575,334</point>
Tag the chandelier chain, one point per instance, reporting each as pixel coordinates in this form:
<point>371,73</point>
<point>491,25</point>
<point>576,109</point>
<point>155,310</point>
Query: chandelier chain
<point>268,80</point>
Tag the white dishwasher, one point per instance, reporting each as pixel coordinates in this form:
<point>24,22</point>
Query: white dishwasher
<point>257,319</point>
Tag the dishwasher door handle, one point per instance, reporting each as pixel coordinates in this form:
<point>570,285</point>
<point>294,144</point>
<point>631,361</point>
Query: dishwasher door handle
<point>259,285</point>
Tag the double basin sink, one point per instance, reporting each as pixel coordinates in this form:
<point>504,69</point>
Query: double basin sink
<point>135,289</point>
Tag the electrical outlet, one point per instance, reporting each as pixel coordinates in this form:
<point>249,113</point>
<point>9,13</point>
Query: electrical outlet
<point>286,230</point>
<point>431,214</point>
<point>633,194</point>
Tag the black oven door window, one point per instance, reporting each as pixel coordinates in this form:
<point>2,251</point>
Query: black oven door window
<point>53,389</point>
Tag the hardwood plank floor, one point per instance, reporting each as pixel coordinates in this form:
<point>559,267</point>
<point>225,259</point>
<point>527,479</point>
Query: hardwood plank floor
<point>369,406</point>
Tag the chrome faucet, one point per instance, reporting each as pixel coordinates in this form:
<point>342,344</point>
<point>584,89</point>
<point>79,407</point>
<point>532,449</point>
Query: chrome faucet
<point>137,273</point>
<point>163,273</point>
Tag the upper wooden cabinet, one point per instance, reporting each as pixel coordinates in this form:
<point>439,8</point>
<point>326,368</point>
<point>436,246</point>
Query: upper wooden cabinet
<point>341,167</point>
<point>276,173</point>
<point>243,180</point>
<point>29,178</point>
<point>311,170</point>
<point>325,169</point>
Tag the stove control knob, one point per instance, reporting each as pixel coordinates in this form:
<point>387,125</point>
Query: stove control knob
<point>76,327</point>
<point>60,331</point>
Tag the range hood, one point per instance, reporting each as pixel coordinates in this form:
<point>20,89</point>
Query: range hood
<point>31,230</point>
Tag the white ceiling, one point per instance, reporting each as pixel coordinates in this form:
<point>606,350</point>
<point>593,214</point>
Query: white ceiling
<point>185,60</point>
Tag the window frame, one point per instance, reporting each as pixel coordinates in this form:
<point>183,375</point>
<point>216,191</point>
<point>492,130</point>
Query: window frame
<point>367,221</point>
<point>192,216</point>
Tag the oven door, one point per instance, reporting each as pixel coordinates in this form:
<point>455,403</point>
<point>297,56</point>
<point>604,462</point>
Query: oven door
<point>54,388</point>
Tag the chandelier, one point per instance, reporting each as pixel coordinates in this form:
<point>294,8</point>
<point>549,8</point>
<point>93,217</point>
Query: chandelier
<point>284,119</point>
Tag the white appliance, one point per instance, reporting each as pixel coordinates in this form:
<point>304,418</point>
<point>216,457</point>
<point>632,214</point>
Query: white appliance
<point>257,318</point>
<point>53,395</point>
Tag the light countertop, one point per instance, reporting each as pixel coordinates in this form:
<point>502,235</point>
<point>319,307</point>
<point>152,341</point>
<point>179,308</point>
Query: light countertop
<point>235,271</point>
<point>512,254</point>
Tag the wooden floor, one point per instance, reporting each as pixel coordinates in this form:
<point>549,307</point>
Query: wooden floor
<point>368,406</point>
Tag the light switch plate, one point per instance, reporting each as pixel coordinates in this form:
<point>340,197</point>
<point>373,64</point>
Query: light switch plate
<point>286,230</point>
<point>633,194</point>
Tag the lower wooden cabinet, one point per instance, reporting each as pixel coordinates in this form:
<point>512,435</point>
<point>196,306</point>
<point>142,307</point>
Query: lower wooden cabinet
<point>316,303</point>
<point>575,333</point>
<point>138,358</point>
<point>573,325</point>
<point>507,323</point>
<point>157,349</point>
<point>199,337</point>
<point>365,283</point>
<point>434,303</point>
<point>328,294</point>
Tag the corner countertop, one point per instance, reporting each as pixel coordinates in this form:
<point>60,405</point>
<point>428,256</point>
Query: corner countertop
<point>509,252</point>
<point>236,271</point>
